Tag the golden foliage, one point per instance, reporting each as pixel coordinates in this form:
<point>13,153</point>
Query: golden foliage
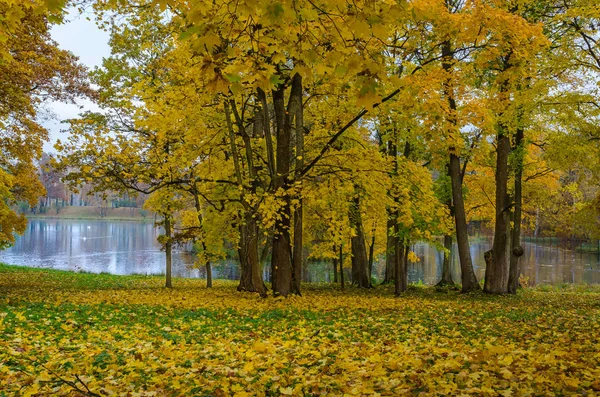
<point>127,336</point>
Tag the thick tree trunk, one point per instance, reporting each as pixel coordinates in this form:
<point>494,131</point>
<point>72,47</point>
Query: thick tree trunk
<point>209,283</point>
<point>296,99</point>
<point>516,251</point>
<point>250,279</point>
<point>168,251</point>
<point>468,279</point>
<point>360,264</point>
<point>281,265</point>
<point>401,281</point>
<point>496,272</point>
<point>498,258</point>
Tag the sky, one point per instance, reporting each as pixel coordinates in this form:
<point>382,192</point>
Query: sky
<point>83,38</point>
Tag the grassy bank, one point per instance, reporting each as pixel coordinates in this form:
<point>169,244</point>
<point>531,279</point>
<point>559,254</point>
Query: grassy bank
<point>65,333</point>
<point>91,213</point>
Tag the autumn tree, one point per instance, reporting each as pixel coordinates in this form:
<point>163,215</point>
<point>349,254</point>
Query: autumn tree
<point>116,149</point>
<point>33,71</point>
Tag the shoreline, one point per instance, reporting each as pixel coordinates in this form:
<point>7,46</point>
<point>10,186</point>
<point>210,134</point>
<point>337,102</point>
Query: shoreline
<point>89,218</point>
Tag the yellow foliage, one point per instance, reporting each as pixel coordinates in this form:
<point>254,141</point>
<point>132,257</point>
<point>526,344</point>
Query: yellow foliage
<point>127,335</point>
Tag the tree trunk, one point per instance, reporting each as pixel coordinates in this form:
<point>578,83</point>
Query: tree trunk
<point>266,122</point>
<point>208,275</point>
<point>335,262</point>
<point>447,263</point>
<point>390,252</point>
<point>297,254</point>
<point>250,279</point>
<point>342,265</point>
<point>296,99</point>
<point>469,281</point>
<point>371,253</point>
<point>446,266</point>
<point>360,264</point>
<point>496,272</point>
<point>392,237</point>
<point>168,252</point>
<point>281,265</point>
<point>516,251</point>
<point>202,236</point>
<point>498,267</point>
<point>400,282</point>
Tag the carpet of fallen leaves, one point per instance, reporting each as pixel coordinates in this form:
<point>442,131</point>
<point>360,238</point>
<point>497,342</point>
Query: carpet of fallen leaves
<point>72,334</point>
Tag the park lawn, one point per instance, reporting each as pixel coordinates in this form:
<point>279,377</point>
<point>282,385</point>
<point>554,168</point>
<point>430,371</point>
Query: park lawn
<point>80,334</point>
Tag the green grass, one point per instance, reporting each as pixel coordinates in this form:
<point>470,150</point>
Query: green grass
<point>61,332</point>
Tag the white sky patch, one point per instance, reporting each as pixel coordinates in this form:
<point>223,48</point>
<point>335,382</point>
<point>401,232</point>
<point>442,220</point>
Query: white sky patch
<point>84,39</point>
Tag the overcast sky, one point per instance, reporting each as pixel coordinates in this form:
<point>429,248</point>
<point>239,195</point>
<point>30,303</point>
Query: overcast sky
<point>90,44</point>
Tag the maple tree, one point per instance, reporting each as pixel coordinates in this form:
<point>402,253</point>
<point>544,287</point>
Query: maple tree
<point>298,125</point>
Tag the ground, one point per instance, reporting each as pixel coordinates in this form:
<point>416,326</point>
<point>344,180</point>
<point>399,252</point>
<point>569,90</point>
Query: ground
<point>86,335</point>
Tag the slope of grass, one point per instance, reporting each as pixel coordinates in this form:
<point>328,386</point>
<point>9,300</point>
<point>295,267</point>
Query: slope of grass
<point>75,334</point>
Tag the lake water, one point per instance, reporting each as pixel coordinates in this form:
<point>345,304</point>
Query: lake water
<point>131,248</point>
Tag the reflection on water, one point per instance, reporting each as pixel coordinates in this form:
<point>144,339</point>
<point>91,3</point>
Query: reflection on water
<point>131,248</point>
<point>540,264</point>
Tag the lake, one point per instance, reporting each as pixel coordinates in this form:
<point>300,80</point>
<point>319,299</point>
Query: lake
<point>131,248</point>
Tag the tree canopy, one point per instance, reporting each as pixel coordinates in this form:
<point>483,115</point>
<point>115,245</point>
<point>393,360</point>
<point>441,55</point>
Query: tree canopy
<point>298,129</point>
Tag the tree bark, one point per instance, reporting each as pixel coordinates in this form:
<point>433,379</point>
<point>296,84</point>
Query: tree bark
<point>266,122</point>
<point>469,281</point>
<point>360,264</point>
<point>297,253</point>
<point>209,282</point>
<point>496,272</point>
<point>250,279</point>
<point>296,97</point>
<point>498,268</point>
<point>390,252</point>
<point>516,251</point>
<point>392,236</point>
<point>281,265</point>
<point>401,280</point>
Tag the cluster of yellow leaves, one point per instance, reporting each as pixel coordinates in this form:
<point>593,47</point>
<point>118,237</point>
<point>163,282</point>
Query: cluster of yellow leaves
<point>128,336</point>
<point>33,70</point>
